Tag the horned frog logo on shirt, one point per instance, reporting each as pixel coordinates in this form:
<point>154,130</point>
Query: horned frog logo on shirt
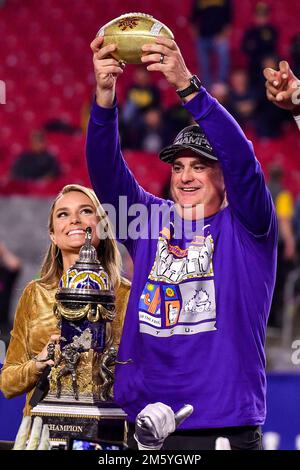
<point>198,303</point>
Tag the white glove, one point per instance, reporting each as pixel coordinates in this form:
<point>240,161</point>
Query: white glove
<point>38,437</point>
<point>153,424</point>
<point>222,443</point>
<point>23,432</point>
<point>45,438</point>
<point>271,440</point>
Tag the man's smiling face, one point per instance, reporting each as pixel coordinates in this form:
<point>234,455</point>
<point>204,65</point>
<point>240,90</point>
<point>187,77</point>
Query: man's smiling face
<point>197,180</point>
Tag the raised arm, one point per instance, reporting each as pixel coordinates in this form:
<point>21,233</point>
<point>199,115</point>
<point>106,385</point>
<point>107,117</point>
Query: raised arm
<point>246,190</point>
<point>108,171</point>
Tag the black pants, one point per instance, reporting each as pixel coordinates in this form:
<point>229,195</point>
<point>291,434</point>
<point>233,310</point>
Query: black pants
<point>241,438</point>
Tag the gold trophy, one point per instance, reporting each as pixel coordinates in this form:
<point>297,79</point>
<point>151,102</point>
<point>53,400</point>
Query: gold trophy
<point>79,403</point>
<point>130,32</point>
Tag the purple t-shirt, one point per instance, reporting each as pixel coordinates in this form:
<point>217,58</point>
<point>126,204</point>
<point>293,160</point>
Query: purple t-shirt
<point>197,314</point>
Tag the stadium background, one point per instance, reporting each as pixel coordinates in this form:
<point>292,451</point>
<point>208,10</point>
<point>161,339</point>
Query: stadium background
<point>46,65</point>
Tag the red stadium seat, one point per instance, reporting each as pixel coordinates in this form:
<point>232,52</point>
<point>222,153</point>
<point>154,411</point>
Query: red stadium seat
<point>46,64</point>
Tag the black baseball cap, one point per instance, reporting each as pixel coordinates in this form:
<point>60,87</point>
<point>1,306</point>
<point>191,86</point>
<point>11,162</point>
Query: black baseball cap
<point>189,138</point>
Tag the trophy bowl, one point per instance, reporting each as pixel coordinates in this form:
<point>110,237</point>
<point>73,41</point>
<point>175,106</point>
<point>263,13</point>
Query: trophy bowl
<point>130,32</point>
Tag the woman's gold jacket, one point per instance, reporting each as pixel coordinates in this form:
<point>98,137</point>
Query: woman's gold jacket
<point>34,323</point>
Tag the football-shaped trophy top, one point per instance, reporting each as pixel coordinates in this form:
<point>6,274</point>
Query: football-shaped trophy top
<point>130,32</point>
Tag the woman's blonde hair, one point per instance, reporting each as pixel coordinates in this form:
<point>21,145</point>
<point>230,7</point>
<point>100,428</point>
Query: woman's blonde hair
<point>107,250</point>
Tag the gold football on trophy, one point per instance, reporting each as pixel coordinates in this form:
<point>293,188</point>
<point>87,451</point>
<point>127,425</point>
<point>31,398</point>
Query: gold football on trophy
<point>130,32</point>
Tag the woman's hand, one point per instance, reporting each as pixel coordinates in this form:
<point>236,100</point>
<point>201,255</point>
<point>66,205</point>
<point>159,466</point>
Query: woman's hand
<point>40,362</point>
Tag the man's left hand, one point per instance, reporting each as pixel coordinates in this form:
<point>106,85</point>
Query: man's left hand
<point>164,56</point>
<point>153,424</point>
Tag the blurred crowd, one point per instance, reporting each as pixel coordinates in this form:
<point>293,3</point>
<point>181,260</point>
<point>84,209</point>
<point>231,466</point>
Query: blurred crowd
<point>150,125</point>
<point>240,90</point>
<point>10,267</point>
<point>288,258</point>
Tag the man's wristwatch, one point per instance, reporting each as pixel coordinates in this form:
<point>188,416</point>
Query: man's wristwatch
<point>195,85</point>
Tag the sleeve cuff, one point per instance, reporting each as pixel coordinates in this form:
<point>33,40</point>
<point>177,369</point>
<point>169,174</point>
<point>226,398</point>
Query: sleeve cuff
<point>101,115</point>
<point>32,370</point>
<point>201,105</point>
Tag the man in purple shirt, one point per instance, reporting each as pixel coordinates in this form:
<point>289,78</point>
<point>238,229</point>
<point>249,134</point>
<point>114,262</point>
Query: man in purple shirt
<point>196,319</point>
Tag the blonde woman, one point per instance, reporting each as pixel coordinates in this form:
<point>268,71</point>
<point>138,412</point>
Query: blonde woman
<point>75,208</point>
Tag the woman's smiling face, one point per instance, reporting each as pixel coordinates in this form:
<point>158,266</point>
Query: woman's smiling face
<point>72,214</point>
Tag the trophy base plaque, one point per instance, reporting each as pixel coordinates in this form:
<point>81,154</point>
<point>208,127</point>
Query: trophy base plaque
<point>87,421</point>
